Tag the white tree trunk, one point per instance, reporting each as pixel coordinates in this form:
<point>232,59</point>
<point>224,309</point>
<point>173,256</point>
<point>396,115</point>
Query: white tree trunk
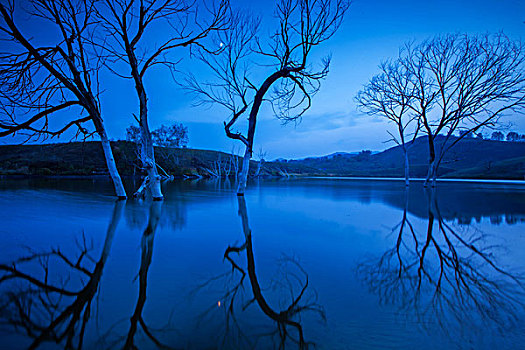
<point>431,175</point>
<point>112,166</point>
<point>243,176</point>
<point>156,191</point>
<point>407,169</point>
<point>148,161</point>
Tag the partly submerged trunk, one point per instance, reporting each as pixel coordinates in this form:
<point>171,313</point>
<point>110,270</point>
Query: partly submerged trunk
<point>407,167</point>
<point>147,155</point>
<point>431,174</point>
<point>110,161</point>
<point>252,120</point>
<point>147,152</point>
<point>243,176</point>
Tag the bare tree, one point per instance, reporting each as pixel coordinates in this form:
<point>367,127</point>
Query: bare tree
<point>128,23</point>
<point>463,82</point>
<point>261,154</point>
<point>303,25</point>
<point>389,94</point>
<point>41,81</point>
<point>234,161</point>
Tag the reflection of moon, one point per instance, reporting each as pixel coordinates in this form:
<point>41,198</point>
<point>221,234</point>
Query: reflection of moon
<point>221,45</point>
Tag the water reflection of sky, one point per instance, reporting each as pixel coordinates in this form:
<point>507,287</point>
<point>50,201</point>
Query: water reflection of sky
<point>166,266</point>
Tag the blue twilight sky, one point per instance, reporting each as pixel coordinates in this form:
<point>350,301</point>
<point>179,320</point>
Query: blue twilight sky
<point>373,31</point>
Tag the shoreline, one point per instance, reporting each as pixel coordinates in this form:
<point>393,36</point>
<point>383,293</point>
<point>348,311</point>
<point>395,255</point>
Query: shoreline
<point>348,178</point>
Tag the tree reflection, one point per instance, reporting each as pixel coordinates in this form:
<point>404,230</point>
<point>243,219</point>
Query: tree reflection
<point>145,262</point>
<point>291,287</point>
<point>136,321</point>
<point>50,296</point>
<point>173,215</point>
<point>448,275</point>
<point>50,309</point>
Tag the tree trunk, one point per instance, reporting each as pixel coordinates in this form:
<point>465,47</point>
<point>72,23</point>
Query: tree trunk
<point>112,166</point>
<point>243,176</point>
<point>431,162</point>
<point>252,121</point>
<point>148,161</point>
<point>407,167</point>
<point>147,152</point>
<point>434,176</point>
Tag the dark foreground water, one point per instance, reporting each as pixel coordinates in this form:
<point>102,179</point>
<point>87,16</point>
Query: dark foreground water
<point>331,264</point>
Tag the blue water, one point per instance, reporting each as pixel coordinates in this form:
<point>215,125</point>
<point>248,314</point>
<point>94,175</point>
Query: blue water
<point>300,263</point>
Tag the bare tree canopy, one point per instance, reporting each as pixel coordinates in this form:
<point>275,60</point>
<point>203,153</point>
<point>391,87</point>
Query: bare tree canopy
<point>129,26</point>
<point>38,82</point>
<point>389,94</point>
<point>462,82</point>
<point>448,83</point>
<point>283,58</point>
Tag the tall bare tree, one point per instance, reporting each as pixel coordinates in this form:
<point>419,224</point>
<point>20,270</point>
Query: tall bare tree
<point>41,81</point>
<point>463,82</point>
<point>284,56</point>
<point>389,94</point>
<point>128,24</point>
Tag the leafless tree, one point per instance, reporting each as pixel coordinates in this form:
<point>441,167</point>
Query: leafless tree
<point>284,56</point>
<point>41,81</point>
<point>261,154</point>
<point>463,82</point>
<point>389,94</point>
<point>234,161</point>
<point>178,24</point>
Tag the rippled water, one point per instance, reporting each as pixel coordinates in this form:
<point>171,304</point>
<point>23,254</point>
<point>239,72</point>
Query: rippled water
<point>331,264</point>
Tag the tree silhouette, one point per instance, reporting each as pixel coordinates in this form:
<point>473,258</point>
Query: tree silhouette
<point>303,25</point>
<point>128,23</point>
<point>39,82</point>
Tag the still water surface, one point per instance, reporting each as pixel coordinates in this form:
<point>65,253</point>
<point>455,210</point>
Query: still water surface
<point>330,264</point>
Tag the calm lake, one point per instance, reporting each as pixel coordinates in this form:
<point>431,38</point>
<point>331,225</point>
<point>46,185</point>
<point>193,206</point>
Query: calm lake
<point>330,264</point>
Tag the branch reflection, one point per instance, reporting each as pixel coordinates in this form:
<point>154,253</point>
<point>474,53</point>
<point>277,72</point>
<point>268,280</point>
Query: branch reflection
<point>449,274</point>
<point>291,289</point>
<point>55,309</point>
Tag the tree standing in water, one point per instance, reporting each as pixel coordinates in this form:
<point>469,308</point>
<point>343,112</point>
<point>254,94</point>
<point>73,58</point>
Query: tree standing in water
<point>284,57</point>
<point>389,94</point>
<point>463,82</point>
<point>49,79</point>
<point>128,24</point>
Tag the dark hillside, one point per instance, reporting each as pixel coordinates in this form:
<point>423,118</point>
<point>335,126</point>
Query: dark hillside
<point>87,158</point>
<point>474,158</point>
<point>470,158</point>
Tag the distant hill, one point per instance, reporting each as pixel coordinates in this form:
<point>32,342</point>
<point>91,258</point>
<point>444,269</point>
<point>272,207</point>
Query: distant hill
<point>87,158</point>
<point>470,158</point>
